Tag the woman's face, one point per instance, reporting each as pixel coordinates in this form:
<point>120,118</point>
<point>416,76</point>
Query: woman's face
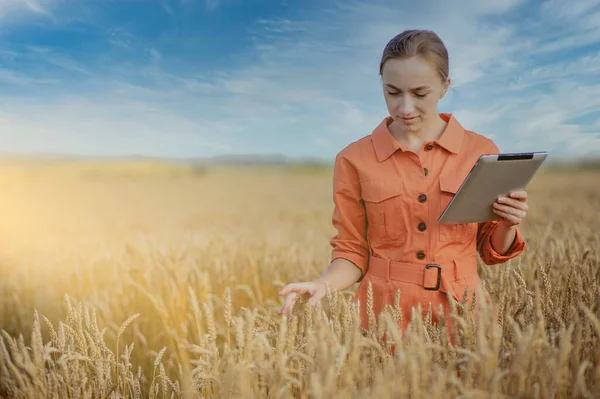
<point>412,88</point>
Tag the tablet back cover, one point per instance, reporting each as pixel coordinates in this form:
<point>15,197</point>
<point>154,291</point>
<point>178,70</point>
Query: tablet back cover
<point>491,177</point>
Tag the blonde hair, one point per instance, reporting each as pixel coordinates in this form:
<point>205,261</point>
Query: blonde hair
<point>424,43</point>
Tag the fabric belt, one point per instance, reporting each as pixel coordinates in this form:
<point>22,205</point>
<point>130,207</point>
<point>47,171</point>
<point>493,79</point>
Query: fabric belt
<point>431,276</point>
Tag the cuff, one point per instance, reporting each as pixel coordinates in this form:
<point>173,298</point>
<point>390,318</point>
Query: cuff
<point>492,257</point>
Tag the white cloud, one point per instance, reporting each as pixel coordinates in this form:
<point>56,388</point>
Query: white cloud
<point>280,25</point>
<point>578,68</point>
<point>571,40</point>
<point>547,121</point>
<point>212,4</point>
<point>314,80</point>
<point>106,126</point>
<point>17,6</point>
<point>166,5</point>
<point>155,54</point>
<point>333,66</point>
<point>16,78</point>
<point>558,10</point>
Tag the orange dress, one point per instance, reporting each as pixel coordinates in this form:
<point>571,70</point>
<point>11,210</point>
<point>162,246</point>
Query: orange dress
<point>387,200</point>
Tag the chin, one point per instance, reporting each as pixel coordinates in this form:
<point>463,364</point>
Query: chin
<point>411,125</point>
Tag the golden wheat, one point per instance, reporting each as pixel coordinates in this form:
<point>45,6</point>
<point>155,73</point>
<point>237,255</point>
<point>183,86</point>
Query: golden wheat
<point>156,281</point>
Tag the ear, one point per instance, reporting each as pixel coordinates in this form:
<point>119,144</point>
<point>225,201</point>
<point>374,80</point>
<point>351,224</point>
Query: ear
<point>445,89</point>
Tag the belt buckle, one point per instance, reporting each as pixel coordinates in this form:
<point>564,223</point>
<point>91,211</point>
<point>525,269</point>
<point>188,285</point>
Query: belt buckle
<point>439,276</point>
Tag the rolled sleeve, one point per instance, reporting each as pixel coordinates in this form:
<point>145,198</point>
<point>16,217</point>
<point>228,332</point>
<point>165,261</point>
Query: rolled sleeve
<point>484,234</point>
<point>349,217</point>
<point>487,252</point>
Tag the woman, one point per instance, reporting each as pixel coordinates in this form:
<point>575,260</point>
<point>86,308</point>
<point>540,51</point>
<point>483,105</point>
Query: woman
<point>391,186</point>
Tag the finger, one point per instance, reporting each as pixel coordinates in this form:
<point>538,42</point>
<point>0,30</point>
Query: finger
<point>511,220</point>
<point>315,298</point>
<point>518,213</point>
<point>513,203</point>
<point>520,194</point>
<point>298,288</point>
<point>287,289</point>
<point>288,303</point>
<point>288,306</point>
<point>508,217</point>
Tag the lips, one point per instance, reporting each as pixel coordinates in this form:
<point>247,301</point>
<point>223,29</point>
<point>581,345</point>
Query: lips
<point>408,120</point>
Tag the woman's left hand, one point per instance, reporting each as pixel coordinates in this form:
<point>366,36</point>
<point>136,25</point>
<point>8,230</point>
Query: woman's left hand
<point>512,209</point>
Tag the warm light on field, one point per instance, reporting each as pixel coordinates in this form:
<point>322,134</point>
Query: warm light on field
<point>152,280</point>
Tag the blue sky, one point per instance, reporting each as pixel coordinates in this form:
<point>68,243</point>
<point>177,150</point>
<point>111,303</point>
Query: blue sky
<point>196,78</point>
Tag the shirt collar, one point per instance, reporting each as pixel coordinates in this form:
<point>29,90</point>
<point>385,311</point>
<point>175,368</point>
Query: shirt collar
<point>451,138</point>
<point>385,144</point>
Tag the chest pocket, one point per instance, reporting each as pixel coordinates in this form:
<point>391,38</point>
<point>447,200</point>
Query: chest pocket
<point>449,185</point>
<point>386,213</point>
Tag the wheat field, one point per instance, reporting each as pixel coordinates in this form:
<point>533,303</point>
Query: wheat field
<point>161,281</point>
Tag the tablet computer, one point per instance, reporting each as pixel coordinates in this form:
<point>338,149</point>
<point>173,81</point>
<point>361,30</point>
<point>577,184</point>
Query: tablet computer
<point>492,176</point>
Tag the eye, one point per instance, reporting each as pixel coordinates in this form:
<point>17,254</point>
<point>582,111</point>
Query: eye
<point>421,95</point>
<point>392,93</point>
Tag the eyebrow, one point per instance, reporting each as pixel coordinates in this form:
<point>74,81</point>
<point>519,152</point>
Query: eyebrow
<point>391,86</point>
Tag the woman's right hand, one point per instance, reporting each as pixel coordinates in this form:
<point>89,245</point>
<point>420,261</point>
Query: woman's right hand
<point>316,290</point>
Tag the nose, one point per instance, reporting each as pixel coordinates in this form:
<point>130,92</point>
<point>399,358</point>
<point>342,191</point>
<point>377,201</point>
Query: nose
<point>405,106</point>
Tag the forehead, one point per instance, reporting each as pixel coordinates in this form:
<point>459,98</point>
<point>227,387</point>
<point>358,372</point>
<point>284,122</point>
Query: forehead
<point>410,72</point>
